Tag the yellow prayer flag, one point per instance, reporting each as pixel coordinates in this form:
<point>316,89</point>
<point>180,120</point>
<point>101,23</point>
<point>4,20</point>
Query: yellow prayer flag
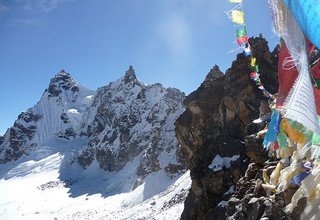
<point>253,61</point>
<point>292,133</point>
<point>237,16</point>
<point>235,1</point>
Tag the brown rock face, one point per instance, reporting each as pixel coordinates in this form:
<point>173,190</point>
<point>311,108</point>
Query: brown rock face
<point>214,123</point>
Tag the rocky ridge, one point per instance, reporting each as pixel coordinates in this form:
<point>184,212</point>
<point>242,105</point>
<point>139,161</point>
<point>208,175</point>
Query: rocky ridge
<point>218,123</point>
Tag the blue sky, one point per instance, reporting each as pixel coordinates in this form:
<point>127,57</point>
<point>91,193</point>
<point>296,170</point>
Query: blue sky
<point>174,42</point>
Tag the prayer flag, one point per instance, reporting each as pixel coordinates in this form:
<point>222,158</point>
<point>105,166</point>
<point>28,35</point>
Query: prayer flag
<point>242,40</point>
<point>273,129</point>
<point>253,61</point>
<point>301,105</point>
<point>247,53</point>
<point>241,32</point>
<point>307,15</point>
<point>255,68</point>
<point>253,74</point>
<point>237,16</point>
<point>286,76</point>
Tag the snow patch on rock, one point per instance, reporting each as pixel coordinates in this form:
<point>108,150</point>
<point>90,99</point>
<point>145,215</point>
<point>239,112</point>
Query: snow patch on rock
<point>219,162</point>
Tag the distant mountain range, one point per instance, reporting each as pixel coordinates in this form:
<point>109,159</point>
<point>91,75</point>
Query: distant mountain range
<point>125,128</point>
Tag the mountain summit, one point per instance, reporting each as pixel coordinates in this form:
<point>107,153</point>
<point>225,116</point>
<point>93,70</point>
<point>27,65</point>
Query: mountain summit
<point>117,141</point>
<point>61,82</point>
<point>130,75</point>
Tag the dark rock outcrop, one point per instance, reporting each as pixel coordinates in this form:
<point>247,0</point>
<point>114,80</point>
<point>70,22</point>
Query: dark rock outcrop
<point>252,201</point>
<point>61,82</point>
<point>16,140</point>
<point>215,123</point>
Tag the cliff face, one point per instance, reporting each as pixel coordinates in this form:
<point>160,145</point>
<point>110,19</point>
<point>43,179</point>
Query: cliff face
<point>213,131</point>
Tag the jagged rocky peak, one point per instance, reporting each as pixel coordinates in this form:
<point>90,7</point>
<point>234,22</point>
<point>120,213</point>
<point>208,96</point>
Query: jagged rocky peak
<point>215,126</point>
<point>134,120</point>
<point>215,73</point>
<point>62,81</point>
<point>130,75</point>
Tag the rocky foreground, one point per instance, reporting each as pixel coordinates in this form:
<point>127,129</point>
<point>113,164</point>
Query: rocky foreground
<point>217,123</point>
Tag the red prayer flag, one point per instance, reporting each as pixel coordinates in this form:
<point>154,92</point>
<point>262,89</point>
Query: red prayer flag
<point>286,76</point>
<point>253,74</point>
<point>310,46</point>
<point>316,71</point>
<point>242,40</point>
<point>317,99</point>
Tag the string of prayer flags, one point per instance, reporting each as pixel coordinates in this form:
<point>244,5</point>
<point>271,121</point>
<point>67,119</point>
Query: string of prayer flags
<point>242,36</point>
<point>255,76</point>
<point>236,15</point>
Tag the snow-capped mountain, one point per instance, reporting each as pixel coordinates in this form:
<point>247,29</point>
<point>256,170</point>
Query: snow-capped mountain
<point>130,119</point>
<point>118,139</point>
<point>60,113</point>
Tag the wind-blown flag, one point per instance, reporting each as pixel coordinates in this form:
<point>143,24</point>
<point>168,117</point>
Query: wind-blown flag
<point>237,16</point>
<point>242,40</point>
<point>307,15</point>
<point>273,130</point>
<point>301,105</point>
<point>241,32</point>
<point>255,68</point>
<point>253,74</point>
<point>286,76</point>
<point>253,61</point>
<point>247,51</point>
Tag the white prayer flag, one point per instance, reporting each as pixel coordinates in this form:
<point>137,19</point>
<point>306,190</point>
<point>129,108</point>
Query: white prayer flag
<point>301,106</point>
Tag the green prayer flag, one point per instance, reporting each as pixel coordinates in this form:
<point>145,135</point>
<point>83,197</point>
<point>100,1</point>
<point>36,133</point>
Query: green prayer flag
<point>255,68</point>
<point>315,139</point>
<point>282,139</point>
<point>241,32</point>
<point>315,136</point>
